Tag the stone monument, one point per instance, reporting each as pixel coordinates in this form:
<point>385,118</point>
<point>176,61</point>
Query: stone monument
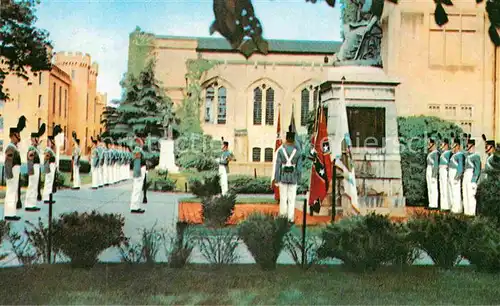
<point>167,157</point>
<point>358,67</point>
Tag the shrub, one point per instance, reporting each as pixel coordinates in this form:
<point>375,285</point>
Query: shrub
<point>182,244</point>
<point>4,229</point>
<point>364,243</point>
<point>293,245</point>
<point>441,236</point>
<point>38,236</point>
<point>488,198</point>
<point>160,181</point>
<point>249,184</point>
<point>217,210</point>
<point>482,245</point>
<point>218,246</point>
<point>413,152</point>
<point>84,236</point>
<point>206,184</point>
<point>198,161</point>
<point>21,247</point>
<point>151,240</point>
<point>263,235</point>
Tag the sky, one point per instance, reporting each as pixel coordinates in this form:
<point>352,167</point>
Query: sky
<point>102,27</point>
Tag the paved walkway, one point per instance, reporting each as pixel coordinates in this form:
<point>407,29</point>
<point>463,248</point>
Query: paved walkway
<point>161,209</point>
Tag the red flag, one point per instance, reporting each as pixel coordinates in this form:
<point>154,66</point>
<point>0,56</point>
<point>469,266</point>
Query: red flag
<point>321,170</point>
<point>277,145</point>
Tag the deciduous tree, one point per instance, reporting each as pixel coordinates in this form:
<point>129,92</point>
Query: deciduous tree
<point>22,45</point>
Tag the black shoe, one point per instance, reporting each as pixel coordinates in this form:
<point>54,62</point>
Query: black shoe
<point>137,211</point>
<point>12,218</point>
<point>32,209</point>
<point>106,185</point>
<point>76,188</point>
<point>95,188</point>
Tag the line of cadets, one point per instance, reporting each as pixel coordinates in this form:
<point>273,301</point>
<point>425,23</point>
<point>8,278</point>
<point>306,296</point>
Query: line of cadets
<point>453,174</point>
<point>110,164</point>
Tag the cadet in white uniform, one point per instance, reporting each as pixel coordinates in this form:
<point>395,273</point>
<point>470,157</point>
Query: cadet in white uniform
<point>444,161</point>
<point>94,163</point>
<point>139,168</point>
<point>225,158</point>
<point>471,177</point>
<point>455,174</point>
<point>431,174</point>
<point>489,149</point>
<point>13,171</point>
<point>76,161</point>
<point>32,194</point>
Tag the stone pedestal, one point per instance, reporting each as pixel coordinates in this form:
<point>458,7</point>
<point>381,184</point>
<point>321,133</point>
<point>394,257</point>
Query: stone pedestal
<point>377,169</point>
<point>167,157</point>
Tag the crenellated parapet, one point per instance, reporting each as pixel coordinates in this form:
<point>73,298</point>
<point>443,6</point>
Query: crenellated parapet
<point>74,60</point>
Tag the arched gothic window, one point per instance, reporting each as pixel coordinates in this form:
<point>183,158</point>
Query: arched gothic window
<point>216,105</point>
<point>257,106</point>
<point>221,102</point>
<point>270,106</point>
<point>258,93</point>
<point>308,95</point>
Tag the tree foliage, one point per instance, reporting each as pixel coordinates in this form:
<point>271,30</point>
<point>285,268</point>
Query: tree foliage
<point>22,45</point>
<point>238,23</point>
<point>144,109</point>
<point>189,112</point>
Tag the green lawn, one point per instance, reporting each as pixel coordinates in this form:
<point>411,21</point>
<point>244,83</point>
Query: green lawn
<point>243,285</point>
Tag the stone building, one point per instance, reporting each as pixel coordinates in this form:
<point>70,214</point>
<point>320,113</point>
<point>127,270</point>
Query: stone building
<point>66,95</point>
<point>451,72</point>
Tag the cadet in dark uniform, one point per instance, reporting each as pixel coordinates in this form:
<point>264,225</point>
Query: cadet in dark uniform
<point>287,174</point>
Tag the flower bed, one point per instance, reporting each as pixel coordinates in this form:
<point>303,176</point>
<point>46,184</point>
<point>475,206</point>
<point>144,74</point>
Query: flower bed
<point>190,211</point>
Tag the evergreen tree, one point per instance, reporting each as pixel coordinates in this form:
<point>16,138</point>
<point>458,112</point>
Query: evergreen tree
<point>22,45</point>
<point>145,109</point>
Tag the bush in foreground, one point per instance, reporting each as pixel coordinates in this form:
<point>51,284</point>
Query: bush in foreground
<point>183,246</point>
<point>482,245</point>
<point>84,236</point>
<point>364,243</point>
<point>441,236</point>
<point>264,237</point>
<point>205,184</point>
<point>488,198</point>
<point>217,210</point>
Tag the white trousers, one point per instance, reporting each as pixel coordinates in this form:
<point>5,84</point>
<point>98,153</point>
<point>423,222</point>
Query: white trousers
<point>105,174</point>
<point>443,188</point>
<point>10,202</point>
<point>100,176</point>
<point>223,179</point>
<point>76,176</point>
<point>288,194</point>
<point>432,188</point>
<point>469,193</point>
<point>49,182</point>
<point>137,193</point>
<point>32,191</point>
<point>116,176</point>
<point>95,177</point>
<point>454,192</point>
